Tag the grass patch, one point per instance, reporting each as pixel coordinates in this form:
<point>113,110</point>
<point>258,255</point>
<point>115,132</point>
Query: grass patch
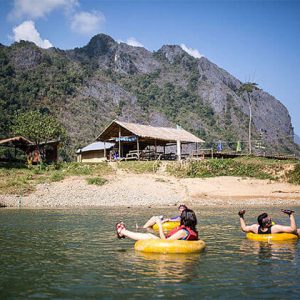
<point>294,175</point>
<point>18,179</point>
<point>96,180</point>
<point>139,167</point>
<point>259,168</point>
<point>15,181</point>
<point>57,176</point>
<point>78,169</point>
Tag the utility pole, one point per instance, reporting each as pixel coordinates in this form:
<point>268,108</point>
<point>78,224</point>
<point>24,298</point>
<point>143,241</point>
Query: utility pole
<point>250,123</point>
<point>248,87</point>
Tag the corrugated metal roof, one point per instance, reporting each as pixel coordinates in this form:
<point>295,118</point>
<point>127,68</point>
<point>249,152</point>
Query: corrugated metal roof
<point>95,146</point>
<point>160,133</point>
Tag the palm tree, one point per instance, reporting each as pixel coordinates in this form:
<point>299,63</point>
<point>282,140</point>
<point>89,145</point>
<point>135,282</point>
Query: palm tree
<point>248,88</point>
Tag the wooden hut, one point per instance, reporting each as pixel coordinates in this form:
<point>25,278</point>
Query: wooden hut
<point>94,152</point>
<point>137,141</point>
<point>48,150</point>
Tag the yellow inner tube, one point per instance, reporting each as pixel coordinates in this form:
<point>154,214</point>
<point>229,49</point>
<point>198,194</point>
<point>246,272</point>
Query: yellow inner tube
<point>167,225</point>
<point>271,237</point>
<point>169,246</point>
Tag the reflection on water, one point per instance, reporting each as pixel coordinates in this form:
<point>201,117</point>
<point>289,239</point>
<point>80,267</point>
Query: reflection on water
<point>75,255</point>
<point>169,267</point>
<point>266,252</point>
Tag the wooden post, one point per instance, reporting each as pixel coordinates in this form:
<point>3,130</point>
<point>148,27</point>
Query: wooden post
<point>138,147</point>
<point>178,146</point>
<point>119,142</point>
<point>104,151</point>
<point>155,149</point>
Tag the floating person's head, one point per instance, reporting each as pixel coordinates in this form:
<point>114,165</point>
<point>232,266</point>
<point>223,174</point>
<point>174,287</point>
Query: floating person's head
<point>188,218</point>
<point>182,207</point>
<point>264,220</point>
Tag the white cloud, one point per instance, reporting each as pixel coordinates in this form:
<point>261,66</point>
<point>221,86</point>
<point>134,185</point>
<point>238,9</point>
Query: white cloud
<point>87,22</point>
<point>27,32</point>
<point>193,52</point>
<point>133,42</point>
<point>38,8</point>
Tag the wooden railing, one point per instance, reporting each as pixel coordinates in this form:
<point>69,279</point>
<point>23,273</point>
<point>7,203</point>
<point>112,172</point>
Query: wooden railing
<point>202,153</point>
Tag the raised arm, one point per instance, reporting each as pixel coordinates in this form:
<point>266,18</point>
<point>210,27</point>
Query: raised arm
<point>244,227</point>
<point>174,219</point>
<point>289,229</point>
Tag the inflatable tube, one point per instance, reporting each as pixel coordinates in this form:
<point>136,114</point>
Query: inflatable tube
<point>169,246</point>
<point>167,225</point>
<point>275,237</point>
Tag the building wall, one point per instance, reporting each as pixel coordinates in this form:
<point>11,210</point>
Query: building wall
<point>91,156</point>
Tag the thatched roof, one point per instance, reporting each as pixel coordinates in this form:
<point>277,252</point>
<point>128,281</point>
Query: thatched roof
<point>147,132</point>
<point>18,140</point>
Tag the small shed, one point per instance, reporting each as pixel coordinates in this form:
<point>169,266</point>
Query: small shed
<point>135,140</point>
<point>94,152</point>
<point>48,150</point>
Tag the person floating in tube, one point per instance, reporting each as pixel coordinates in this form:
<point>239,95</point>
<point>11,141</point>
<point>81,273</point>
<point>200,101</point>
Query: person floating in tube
<point>152,220</point>
<point>266,226</point>
<point>186,231</point>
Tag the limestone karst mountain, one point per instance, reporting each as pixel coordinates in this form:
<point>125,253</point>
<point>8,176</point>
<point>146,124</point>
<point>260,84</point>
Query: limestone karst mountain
<point>86,88</point>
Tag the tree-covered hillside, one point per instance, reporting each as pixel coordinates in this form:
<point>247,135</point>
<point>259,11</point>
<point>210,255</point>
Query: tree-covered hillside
<point>87,87</point>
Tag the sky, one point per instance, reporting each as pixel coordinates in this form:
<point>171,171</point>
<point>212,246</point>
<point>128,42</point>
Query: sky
<point>257,41</point>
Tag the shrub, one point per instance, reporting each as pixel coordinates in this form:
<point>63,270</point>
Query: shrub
<point>96,180</point>
<point>294,176</point>
<point>57,176</point>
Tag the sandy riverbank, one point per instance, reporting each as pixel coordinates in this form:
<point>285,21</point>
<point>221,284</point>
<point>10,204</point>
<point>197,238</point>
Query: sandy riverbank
<point>125,189</point>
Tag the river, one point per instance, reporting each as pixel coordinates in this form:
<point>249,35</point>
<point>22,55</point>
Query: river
<point>74,254</point>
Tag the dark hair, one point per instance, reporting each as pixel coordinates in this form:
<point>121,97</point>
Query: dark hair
<point>183,206</point>
<point>260,219</point>
<point>188,218</point>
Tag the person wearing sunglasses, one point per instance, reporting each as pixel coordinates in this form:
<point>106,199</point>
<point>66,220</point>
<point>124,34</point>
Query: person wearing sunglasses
<point>266,226</point>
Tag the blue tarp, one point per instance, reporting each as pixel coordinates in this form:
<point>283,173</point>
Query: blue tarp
<point>126,139</point>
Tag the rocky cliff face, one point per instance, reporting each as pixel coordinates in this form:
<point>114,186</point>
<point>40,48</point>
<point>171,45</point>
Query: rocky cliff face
<point>88,87</point>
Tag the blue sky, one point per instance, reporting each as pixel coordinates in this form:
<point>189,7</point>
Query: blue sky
<point>253,40</point>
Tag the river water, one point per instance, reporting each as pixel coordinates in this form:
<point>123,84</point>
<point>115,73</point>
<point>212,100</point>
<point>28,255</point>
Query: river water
<point>74,254</point>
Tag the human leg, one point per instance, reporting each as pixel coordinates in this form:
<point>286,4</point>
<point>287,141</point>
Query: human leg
<point>138,235</point>
<point>122,231</point>
<point>150,222</point>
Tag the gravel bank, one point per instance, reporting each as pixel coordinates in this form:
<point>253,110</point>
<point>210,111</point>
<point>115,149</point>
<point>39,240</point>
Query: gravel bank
<point>157,190</point>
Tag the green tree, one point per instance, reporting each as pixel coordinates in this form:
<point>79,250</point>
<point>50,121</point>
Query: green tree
<point>38,127</point>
